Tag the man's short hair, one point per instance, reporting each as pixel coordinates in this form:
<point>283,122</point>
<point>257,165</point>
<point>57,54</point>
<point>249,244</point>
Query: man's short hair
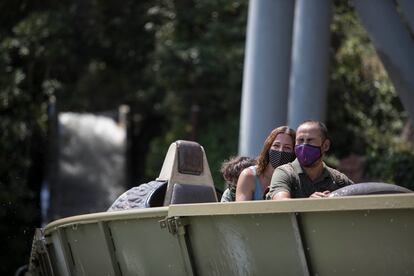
<point>322,127</point>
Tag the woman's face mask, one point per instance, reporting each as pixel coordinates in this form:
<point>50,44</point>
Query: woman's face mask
<point>278,158</point>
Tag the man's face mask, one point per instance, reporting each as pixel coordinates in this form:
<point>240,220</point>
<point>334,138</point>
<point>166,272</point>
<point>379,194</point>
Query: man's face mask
<point>307,154</point>
<point>278,158</point>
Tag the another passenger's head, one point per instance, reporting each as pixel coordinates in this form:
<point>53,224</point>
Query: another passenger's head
<point>231,169</point>
<point>278,149</point>
<point>312,143</point>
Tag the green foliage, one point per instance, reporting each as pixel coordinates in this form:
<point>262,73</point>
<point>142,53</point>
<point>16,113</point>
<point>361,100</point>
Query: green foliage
<point>393,166</point>
<point>23,124</point>
<point>364,109</point>
<point>220,142</point>
<point>365,115</point>
<point>198,63</point>
<point>91,56</point>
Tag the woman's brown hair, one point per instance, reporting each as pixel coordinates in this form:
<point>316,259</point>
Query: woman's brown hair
<point>263,158</point>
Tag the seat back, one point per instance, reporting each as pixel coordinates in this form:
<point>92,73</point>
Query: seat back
<point>190,193</point>
<point>186,164</point>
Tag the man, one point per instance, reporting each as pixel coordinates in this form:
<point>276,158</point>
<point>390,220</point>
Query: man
<point>307,175</point>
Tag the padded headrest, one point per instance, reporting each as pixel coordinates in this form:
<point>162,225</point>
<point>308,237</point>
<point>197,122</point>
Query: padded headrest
<point>185,163</point>
<point>190,157</point>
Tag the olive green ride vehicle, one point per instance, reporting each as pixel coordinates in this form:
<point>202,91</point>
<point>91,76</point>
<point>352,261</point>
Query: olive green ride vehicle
<point>178,228</point>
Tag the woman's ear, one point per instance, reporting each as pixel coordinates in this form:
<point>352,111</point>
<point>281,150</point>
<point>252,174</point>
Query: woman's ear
<point>326,145</point>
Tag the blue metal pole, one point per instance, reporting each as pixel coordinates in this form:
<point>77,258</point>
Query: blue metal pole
<point>266,72</point>
<point>310,61</point>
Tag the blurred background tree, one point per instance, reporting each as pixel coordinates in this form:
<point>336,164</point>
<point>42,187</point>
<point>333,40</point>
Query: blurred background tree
<point>365,115</point>
<point>178,65</point>
<point>364,111</point>
<point>91,56</point>
<point>197,63</point>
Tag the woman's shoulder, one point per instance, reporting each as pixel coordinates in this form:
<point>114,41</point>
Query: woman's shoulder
<point>248,174</point>
<point>247,179</point>
<point>249,171</point>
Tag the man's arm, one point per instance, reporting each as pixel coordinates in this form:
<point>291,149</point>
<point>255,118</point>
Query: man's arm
<point>280,185</point>
<point>348,181</point>
<point>281,195</point>
<point>320,194</point>
<point>340,178</point>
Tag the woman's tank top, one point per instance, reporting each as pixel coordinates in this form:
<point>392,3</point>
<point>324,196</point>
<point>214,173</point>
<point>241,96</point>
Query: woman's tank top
<point>258,190</point>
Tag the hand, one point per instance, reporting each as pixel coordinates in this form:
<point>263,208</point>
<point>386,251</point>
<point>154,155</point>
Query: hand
<point>320,194</point>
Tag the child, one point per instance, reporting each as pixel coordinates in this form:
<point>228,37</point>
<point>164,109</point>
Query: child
<point>231,169</point>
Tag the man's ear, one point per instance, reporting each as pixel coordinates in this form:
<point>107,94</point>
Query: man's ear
<point>326,145</point>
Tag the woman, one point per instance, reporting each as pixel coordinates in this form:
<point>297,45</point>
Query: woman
<point>278,149</point>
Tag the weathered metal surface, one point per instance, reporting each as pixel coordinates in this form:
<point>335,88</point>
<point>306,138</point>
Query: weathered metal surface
<point>360,235</point>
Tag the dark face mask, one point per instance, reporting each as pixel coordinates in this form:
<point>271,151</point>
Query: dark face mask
<point>278,158</point>
<point>307,154</point>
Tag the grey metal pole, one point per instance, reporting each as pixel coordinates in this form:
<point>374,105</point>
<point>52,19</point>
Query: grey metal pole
<point>266,72</point>
<point>393,44</point>
<point>310,61</point>
<point>407,8</point>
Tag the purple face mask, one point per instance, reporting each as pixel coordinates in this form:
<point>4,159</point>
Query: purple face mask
<point>307,154</point>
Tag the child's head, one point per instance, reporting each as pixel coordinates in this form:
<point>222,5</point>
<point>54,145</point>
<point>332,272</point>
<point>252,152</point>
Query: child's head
<point>231,168</point>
